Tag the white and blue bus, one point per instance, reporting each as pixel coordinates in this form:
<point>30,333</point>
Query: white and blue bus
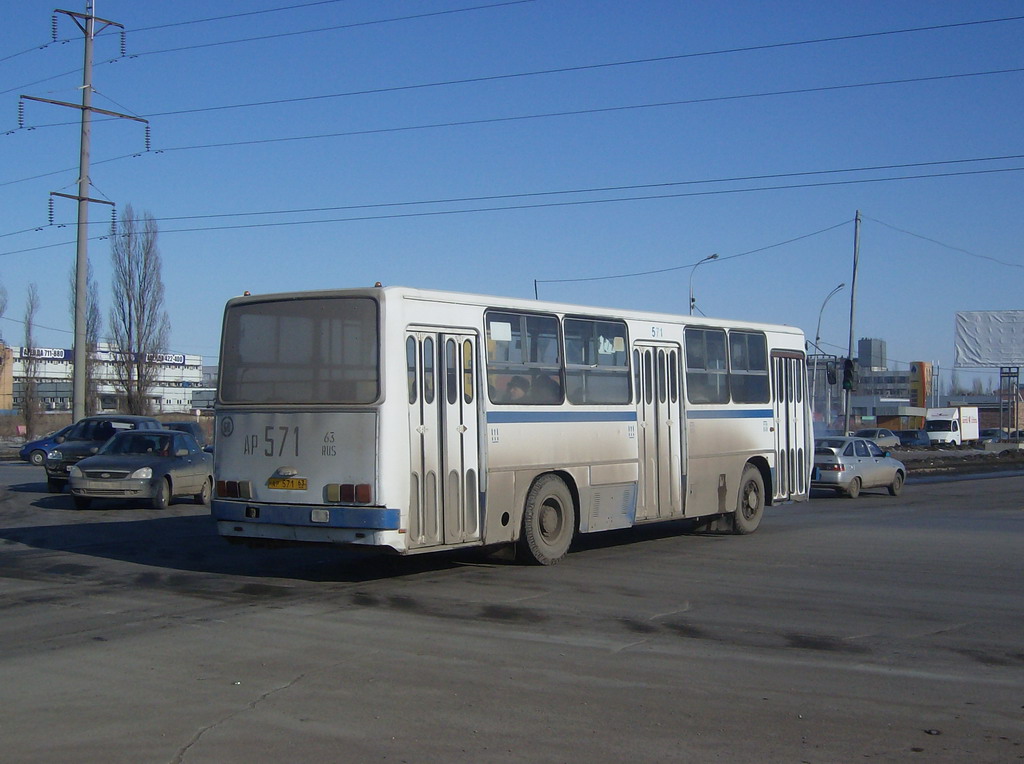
<point>416,421</point>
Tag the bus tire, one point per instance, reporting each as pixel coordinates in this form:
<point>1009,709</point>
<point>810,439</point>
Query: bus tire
<point>549,521</point>
<point>750,504</point>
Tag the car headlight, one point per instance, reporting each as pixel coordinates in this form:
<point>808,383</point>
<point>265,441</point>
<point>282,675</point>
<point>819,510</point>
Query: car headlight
<point>75,471</point>
<point>143,473</point>
<point>55,455</point>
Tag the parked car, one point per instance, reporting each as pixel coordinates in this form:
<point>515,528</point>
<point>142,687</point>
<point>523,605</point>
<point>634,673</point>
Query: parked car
<point>144,464</point>
<point>192,428</point>
<point>883,438</point>
<point>84,439</point>
<point>913,438</point>
<point>35,451</point>
<point>992,435</point>
<point>847,465</point>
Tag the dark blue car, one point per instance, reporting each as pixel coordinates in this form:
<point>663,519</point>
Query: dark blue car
<point>35,450</point>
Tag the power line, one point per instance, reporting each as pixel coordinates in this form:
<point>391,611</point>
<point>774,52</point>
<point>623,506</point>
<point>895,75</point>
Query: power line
<point>577,191</point>
<point>317,30</point>
<point>723,51</point>
<point>545,115</point>
<point>335,28</point>
<point>947,246</point>
<point>238,15</point>
<point>572,203</point>
<point>48,43</point>
<point>691,265</point>
<point>560,70</point>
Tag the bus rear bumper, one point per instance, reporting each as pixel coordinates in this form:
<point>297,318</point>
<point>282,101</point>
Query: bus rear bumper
<point>268,534</point>
<point>332,524</point>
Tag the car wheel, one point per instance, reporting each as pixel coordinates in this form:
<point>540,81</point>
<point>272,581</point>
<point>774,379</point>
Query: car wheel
<point>896,486</point>
<point>854,490</point>
<point>203,497</point>
<point>162,496</point>
<point>38,458</point>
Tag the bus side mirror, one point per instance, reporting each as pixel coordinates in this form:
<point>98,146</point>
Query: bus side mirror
<point>830,373</point>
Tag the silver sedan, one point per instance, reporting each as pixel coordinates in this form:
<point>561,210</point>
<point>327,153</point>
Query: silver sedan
<point>846,465</point>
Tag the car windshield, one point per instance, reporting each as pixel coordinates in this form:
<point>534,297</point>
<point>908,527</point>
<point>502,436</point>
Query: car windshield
<point>139,443</point>
<point>939,425</point>
<point>829,443</point>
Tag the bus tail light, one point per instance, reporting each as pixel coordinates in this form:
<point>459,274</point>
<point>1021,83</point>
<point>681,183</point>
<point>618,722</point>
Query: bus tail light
<point>350,493</point>
<point>234,489</point>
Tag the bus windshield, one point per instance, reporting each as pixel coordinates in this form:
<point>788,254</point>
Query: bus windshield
<point>315,350</point>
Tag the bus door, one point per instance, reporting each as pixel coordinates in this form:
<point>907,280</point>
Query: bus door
<point>443,387</point>
<point>792,454</point>
<point>659,436</point>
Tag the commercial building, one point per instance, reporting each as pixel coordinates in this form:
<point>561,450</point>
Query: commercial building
<point>53,371</point>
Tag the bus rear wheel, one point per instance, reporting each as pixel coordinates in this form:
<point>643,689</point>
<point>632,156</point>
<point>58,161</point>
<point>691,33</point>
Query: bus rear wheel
<point>549,521</point>
<point>750,504</point>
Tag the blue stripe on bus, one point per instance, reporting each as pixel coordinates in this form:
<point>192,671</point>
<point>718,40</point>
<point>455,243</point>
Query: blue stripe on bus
<point>730,414</point>
<point>505,417</point>
<point>359,518</point>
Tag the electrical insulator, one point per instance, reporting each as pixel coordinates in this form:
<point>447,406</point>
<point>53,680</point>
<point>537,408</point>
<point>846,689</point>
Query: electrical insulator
<point>148,138</point>
<point>113,221</point>
<point>53,26</point>
<point>21,113</point>
<point>124,44</point>
<point>50,210</point>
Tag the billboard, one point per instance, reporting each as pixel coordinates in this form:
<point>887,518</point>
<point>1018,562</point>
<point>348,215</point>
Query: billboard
<point>989,339</point>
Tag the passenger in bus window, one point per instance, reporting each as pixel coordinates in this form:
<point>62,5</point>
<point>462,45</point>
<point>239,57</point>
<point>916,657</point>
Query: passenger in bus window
<point>517,389</point>
<point>546,390</point>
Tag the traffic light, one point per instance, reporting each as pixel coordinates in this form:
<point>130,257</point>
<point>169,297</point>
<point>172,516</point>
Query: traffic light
<point>849,375</point>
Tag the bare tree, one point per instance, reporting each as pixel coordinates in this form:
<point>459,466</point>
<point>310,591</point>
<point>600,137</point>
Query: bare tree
<point>139,325</point>
<point>93,325</point>
<point>30,408</point>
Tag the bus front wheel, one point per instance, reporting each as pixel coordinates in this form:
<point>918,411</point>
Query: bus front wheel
<point>549,521</point>
<point>750,505</point>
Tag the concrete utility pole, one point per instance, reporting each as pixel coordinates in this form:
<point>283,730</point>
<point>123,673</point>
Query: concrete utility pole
<point>853,309</point>
<point>87,23</point>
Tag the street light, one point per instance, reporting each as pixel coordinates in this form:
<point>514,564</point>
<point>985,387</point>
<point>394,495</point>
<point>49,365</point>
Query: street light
<point>694,270</point>
<point>817,339</point>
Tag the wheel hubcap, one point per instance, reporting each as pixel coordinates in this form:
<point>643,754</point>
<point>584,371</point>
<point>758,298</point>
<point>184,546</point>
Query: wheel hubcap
<point>550,521</point>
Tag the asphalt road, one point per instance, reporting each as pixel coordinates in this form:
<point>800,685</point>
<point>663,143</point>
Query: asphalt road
<point>875,629</point>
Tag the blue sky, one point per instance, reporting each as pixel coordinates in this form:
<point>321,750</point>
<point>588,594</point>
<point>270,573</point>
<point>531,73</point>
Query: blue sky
<point>408,105</point>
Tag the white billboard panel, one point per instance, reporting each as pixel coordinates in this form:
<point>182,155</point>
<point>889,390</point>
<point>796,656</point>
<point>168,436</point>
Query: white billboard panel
<point>989,338</point>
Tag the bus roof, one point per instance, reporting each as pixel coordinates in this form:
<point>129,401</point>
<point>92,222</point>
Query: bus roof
<point>515,303</point>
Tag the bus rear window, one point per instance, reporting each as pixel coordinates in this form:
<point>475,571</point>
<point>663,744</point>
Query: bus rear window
<point>313,350</point>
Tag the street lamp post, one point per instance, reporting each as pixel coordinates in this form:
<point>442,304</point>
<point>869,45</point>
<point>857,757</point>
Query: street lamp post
<point>817,339</point>
<point>694,270</point>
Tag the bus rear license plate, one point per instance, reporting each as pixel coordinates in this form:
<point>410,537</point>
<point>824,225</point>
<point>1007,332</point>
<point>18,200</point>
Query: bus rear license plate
<point>287,484</point>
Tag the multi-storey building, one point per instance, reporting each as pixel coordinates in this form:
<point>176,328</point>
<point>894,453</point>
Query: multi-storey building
<point>53,371</point>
